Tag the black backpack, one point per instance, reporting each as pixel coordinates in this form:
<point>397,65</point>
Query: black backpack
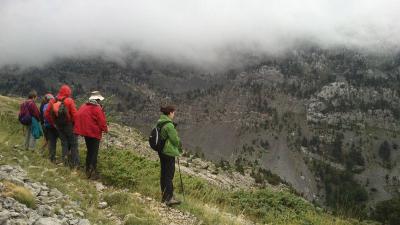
<point>155,140</point>
<point>61,118</point>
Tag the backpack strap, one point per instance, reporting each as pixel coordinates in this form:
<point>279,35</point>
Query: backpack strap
<point>161,125</point>
<point>52,113</point>
<point>62,100</point>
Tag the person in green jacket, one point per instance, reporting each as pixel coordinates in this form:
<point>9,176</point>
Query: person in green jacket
<point>172,149</point>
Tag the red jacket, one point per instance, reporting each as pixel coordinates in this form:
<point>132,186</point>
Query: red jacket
<point>64,93</point>
<point>90,121</point>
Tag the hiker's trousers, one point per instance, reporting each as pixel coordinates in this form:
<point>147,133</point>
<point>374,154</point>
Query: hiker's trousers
<point>52,136</point>
<point>69,142</point>
<point>167,176</point>
<point>30,141</point>
<point>92,145</point>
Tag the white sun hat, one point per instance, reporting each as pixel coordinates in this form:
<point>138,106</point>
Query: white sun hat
<point>96,95</point>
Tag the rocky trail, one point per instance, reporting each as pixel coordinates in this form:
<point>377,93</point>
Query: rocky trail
<point>167,214</point>
<point>51,207</point>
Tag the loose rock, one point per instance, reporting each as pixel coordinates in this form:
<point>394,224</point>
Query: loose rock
<point>48,201</point>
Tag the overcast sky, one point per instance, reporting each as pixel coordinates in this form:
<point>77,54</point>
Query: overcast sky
<point>33,32</point>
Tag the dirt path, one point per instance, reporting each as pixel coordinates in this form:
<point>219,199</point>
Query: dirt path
<point>168,215</point>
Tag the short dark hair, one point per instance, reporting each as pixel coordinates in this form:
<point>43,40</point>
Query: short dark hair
<point>32,94</point>
<point>167,109</point>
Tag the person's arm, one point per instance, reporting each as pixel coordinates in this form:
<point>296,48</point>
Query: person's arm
<point>41,112</point>
<point>34,111</point>
<point>47,113</point>
<point>173,135</point>
<point>101,120</point>
<point>72,109</point>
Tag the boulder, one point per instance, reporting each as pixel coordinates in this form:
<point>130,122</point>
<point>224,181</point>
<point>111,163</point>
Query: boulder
<point>47,221</point>
<point>84,222</point>
<point>44,210</point>
<point>102,205</point>
<point>200,163</point>
<point>4,215</point>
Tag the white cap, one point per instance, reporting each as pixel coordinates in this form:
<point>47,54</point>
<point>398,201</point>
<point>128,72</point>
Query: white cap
<point>96,95</point>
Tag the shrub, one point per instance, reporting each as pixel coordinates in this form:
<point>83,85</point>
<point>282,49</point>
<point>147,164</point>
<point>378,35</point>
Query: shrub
<point>224,165</point>
<point>124,168</point>
<point>304,142</point>
<point>239,166</point>
<point>343,193</point>
<point>337,151</point>
<point>388,212</point>
<point>262,175</point>
<point>258,178</point>
<point>385,151</point>
<point>265,144</point>
<point>354,158</point>
<point>272,178</point>
<point>263,203</point>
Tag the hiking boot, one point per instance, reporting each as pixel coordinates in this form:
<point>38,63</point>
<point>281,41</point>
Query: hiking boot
<point>65,161</point>
<point>94,175</point>
<point>88,173</point>
<point>172,202</point>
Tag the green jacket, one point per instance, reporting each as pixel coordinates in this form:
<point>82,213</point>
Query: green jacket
<point>173,146</point>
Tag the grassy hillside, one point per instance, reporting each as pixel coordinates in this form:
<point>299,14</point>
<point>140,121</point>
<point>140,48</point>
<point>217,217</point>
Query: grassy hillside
<point>131,179</point>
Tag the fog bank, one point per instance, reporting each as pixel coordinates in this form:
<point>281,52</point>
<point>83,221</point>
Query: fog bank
<point>207,32</point>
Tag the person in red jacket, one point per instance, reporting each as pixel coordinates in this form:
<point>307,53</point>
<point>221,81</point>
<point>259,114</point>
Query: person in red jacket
<point>90,122</point>
<point>63,121</point>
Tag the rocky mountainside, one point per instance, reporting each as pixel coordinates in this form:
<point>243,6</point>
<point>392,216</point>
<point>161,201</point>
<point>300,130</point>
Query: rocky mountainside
<point>35,191</point>
<point>325,121</point>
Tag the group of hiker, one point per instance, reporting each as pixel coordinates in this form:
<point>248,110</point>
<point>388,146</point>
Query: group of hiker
<point>58,118</point>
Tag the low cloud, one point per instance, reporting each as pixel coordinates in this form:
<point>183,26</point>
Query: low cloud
<point>207,32</point>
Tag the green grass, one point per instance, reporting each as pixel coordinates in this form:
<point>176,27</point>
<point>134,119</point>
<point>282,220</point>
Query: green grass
<point>122,169</point>
<point>127,170</point>
<point>123,203</point>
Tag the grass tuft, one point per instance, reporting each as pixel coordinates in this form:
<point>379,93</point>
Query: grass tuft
<point>132,219</point>
<point>19,193</point>
<point>116,198</point>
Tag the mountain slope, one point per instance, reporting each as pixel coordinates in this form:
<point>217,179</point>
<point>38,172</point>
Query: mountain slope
<point>305,116</point>
<point>132,185</point>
